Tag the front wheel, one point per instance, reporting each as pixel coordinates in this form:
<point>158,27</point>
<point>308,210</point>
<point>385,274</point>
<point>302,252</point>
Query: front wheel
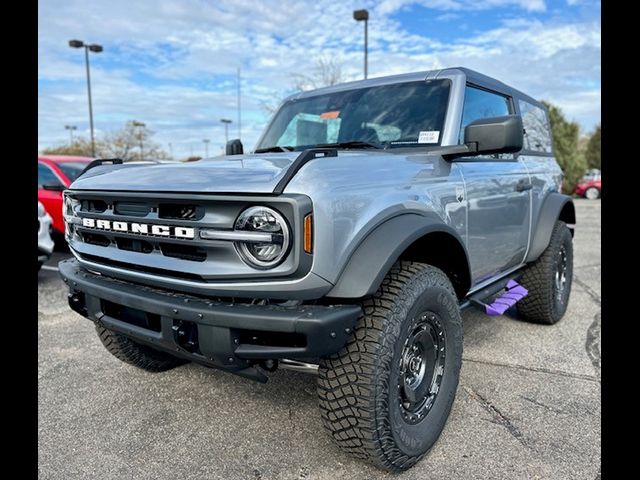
<point>592,193</point>
<point>385,397</point>
<point>136,354</point>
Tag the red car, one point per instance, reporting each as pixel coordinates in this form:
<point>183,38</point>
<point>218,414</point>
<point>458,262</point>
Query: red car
<point>590,185</point>
<point>56,173</point>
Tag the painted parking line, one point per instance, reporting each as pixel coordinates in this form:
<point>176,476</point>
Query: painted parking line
<point>50,268</point>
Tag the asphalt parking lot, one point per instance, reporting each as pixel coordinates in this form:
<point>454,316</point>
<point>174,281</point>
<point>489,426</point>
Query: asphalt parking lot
<point>528,404</point>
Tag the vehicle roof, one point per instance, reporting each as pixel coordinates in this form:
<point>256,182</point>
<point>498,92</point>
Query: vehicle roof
<point>472,76</point>
<point>64,158</point>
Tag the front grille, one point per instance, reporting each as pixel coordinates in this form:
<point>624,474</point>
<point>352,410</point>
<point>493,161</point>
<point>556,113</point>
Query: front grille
<point>131,209</point>
<point>96,239</point>
<point>134,245</point>
<point>93,206</point>
<point>184,252</point>
<point>179,212</point>
<point>121,233</point>
<point>141,268</point>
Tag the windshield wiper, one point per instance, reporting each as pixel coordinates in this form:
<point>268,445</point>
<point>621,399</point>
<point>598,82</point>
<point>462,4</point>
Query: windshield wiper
<point>275,148</point>
<point>351,144</point>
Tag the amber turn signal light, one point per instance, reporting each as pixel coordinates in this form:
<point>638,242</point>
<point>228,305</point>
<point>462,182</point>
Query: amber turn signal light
<point>308,233</point>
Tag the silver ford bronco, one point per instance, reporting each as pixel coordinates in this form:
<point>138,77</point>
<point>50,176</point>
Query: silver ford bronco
<point>369,215</point>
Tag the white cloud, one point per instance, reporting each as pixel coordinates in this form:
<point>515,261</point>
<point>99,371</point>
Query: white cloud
<point>390,6</point>
<point>172,63</point>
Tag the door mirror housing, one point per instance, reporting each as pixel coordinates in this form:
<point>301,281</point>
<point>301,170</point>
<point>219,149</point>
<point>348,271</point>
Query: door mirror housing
<point>234,147</point>
<point>487,136</point>
<point>495,135</point>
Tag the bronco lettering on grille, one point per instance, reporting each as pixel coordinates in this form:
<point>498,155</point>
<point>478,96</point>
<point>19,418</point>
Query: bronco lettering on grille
<point>140,228</point>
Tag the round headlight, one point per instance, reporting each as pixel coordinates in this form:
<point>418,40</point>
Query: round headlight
<point>262,253</point>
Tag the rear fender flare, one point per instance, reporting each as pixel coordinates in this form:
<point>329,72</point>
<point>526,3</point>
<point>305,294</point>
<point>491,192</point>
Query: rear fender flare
<point>555,207</point>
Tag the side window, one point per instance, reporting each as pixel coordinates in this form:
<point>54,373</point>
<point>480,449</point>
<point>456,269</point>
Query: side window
<point>537,136</point>
<point>46,176</point>
<point>481,104</point>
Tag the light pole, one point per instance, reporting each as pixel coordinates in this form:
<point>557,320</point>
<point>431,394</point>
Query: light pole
<point>141,125</point>
<point>239,122</point>
<point>206,147</point>
<point>71,128</point>
<point>226,122</point>
<point>95,48</point>
<point>363,15</point>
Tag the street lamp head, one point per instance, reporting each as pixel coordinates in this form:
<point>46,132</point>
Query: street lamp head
<point>361,15</point>
<point>206,140</point>
<point>95,48</point>
<point>76,43</point>
<point>225,120</point>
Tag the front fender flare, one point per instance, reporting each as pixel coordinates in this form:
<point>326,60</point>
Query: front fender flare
<point>381,248</point>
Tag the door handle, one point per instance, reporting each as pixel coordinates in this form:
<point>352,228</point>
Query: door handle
<point>523,187</point>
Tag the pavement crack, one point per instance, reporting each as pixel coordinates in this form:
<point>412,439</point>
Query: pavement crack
<point>592,344</point>
<point>540,404</point>
<point>499,418</point>
<point>561,373</point>
<point>590,291</point>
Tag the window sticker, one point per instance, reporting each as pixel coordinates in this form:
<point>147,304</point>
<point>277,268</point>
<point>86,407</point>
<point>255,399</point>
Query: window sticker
<point>429,136</point>
<point>329,115</point>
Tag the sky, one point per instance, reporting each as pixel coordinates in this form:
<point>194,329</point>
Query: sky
<point>173,64</point>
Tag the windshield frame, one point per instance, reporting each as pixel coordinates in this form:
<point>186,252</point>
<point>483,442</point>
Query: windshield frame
<point>385,145</point>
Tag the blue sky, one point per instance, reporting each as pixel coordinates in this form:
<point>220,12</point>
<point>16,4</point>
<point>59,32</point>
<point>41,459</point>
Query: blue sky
<point>173,63</point>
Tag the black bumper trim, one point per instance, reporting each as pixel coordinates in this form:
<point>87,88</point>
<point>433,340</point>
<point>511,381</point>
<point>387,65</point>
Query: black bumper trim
<point>325,328</point>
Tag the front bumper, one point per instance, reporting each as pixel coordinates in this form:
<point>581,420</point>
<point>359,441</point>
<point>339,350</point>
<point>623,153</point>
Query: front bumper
<point>229,336</point>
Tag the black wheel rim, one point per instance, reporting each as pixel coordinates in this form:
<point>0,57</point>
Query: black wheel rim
<point>560,278</point>
<point>421,367</point>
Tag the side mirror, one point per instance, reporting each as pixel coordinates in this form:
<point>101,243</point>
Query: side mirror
<point>234,147</point>
<point>494,135</point>
<point>54,187</point>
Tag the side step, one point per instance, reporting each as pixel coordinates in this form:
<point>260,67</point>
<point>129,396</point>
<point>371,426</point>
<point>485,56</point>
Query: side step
<point>513,292</point>
<point>498,297</point>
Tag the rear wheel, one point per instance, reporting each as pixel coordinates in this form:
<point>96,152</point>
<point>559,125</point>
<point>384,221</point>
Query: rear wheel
<point>385,397</point>
<point>136,354</point>
<point>549,280</point>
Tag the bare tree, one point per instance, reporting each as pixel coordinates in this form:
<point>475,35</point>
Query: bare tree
<point>327,71</point>
<point>123,143</point>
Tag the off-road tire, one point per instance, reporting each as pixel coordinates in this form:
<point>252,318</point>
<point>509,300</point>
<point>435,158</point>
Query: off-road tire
<point>359,386</point>
<point>136,354</point>
<point>542,304</point>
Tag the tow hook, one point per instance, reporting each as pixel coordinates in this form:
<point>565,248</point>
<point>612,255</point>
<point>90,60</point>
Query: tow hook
<point>185,334</point>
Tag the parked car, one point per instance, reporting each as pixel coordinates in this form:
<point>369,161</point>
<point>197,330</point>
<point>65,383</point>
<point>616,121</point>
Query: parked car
<point>369,215</point>
<point>45,243</point>
<point>55,173</point>
<point>590,186</point>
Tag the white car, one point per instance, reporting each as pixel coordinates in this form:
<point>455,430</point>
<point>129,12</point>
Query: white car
<point>45,243</point>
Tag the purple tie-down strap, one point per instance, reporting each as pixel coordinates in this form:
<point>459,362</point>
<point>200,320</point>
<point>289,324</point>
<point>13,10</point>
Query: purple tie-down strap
<point>501,304</point>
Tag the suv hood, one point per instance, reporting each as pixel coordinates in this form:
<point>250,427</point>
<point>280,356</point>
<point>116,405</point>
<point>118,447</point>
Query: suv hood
<point>238,173</point>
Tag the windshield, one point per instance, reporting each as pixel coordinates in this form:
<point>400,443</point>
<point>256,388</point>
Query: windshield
<point>399,115</point>
<point>72,169</point>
